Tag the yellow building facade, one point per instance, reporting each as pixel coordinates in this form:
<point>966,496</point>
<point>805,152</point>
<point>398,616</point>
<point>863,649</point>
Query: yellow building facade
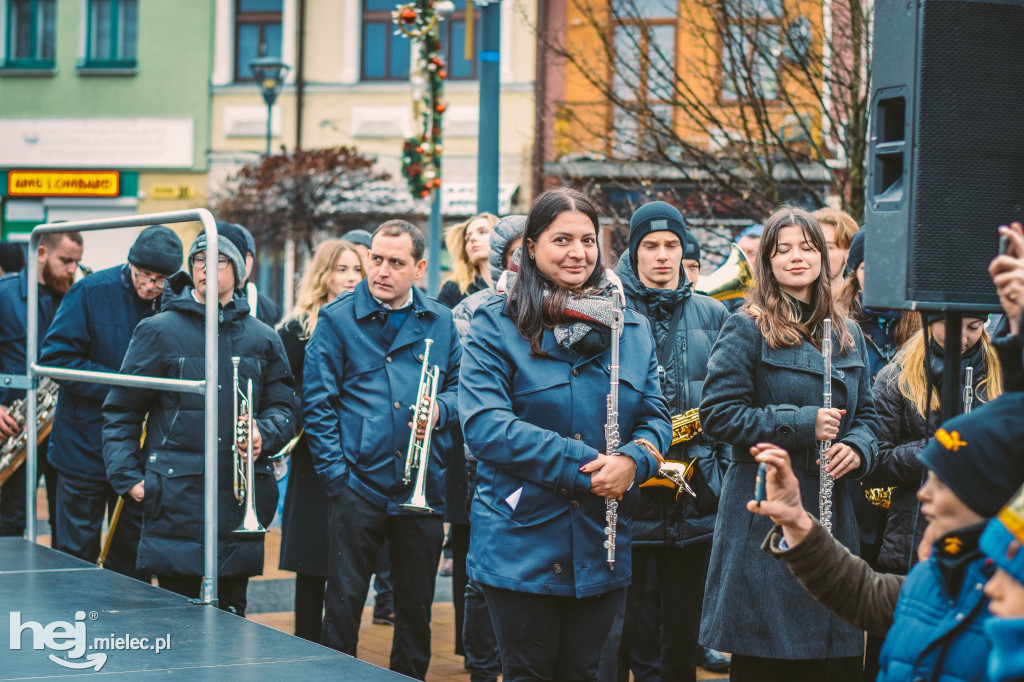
<point>349,85</point>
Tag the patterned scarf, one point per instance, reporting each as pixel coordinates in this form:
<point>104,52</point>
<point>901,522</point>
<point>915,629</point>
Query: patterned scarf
<point>591,310</point>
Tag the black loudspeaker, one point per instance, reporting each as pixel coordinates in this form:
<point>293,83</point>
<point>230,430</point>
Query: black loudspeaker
<point>946,150</point>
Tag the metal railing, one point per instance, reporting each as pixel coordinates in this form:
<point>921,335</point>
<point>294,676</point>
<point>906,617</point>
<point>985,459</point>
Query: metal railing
<point>207,387</point>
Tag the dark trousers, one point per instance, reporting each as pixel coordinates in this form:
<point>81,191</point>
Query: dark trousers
<point>82,507</point>
<point>680,572</point>
<point>756,669</point>
<point>357,529</point>
<point>543,637</point>
<point>458,541</point>
<point>478,638</point>
<point>384,600</point>
<point>12,499</point>
<point>309,606</point>
<point>231,591</point>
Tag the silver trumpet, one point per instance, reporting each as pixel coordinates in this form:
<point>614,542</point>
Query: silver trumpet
<point>245,477</point>
<point>968,389</point>
<point>611,425</point>
<point>825,481</point>
<point>418,454</point>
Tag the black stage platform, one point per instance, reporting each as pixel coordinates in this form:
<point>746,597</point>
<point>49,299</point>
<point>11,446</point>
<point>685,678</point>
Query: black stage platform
<point>99,623</point>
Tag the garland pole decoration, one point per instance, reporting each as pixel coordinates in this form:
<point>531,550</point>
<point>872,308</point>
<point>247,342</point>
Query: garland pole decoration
<point>419,21</point>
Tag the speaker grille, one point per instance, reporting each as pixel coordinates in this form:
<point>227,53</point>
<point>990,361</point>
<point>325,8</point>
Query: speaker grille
<point>969,152</point>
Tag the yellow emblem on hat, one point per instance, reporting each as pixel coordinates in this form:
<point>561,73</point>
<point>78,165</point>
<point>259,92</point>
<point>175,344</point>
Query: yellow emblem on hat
<point>953,545</point>
<point>950,441</point>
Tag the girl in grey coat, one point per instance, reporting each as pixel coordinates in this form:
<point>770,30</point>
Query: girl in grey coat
<point>764,384</point>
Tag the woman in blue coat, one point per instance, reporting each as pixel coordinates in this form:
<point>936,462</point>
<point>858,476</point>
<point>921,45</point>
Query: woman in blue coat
<point>764,384</point>
<point>532,402</point>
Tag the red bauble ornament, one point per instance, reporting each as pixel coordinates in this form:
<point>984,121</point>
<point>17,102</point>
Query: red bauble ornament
<point>408,15</point>
<point>442,73</point>
<point>415,169</point>
<point>419,150</point>
<point>424,194</point>
<point>440,107</point>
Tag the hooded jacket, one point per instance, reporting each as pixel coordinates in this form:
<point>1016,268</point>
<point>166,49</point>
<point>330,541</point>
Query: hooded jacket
<point>660,517</point>
<point>171,461</point>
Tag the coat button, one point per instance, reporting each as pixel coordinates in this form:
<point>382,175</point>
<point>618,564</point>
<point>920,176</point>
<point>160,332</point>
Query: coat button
<point>564,492</point>
<point>578,436</point>
<point>575,372</point>
<point>219,387</point>
<point>575,504</point>
<point>959,617</point>
<point>398,453</point>
<point>170,472</point>
<point>786,428</point>
<point>557,568</point>
<point>840,373</point>
<point>397,405</point>
<point>387,359</point>
<point>420,357</point>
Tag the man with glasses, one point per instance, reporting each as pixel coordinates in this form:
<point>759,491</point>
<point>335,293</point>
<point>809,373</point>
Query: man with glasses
<point>91,331</point>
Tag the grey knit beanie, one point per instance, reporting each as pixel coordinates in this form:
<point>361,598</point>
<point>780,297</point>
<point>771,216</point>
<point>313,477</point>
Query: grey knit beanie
<point>224,246</point>
<point>157,249</point>
<point>505,230</point>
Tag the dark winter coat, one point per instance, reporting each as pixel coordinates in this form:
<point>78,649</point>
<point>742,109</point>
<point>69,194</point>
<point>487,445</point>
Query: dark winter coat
<point>267,311</point>
<point>532,422</point>
<point>14,326</point>
<point>451,295</point>
<point>930,634</point>
<point>304,517</point>
<point>754,394</point>
<point>902,433</point>
<point>171,344</point>
<point>879,334</point>
<point>661,518</point>
<point>90,331</point>
<point>357,390</point>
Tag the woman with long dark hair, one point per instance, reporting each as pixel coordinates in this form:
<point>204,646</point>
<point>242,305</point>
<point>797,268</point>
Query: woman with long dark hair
<point>335,267</point>
<point>765,385</point>
<point>535,375</point>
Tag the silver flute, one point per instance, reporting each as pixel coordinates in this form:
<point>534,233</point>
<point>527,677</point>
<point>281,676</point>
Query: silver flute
<point>968,389</point>
<point>611,424</point>
<point>824,480</point>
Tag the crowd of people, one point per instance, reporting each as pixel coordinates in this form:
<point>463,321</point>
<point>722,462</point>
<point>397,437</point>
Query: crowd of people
<point>593,437</point>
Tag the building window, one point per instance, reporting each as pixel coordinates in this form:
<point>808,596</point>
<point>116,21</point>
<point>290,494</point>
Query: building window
<point>31,34</point>
<point>257,34</point>
<point>387,57</point>
<point>751,46</point>
<point>113,33</point>
<point>644,75</point>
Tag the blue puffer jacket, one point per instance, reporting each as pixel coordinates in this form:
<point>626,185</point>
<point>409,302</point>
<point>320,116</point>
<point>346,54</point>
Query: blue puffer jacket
<point>14,326</point>
<point>357,390</point>
<point>532,421</point>
<point>937,636</point>
<point>90,331</point>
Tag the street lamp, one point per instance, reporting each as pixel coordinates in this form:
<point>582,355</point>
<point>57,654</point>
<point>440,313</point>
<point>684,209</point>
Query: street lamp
<point>270,73</point>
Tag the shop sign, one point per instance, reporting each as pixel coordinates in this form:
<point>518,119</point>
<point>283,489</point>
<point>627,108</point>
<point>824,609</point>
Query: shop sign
<point>172,192</point>
<point>54,183</point>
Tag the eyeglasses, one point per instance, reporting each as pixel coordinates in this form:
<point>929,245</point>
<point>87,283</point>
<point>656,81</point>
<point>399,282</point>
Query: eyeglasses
<point>222,263</point>
<point>147,279</point>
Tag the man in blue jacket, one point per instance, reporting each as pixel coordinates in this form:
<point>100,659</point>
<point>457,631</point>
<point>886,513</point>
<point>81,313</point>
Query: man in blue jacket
<point>362,369</point>
<point>58,256</point>
<point>91,331</point>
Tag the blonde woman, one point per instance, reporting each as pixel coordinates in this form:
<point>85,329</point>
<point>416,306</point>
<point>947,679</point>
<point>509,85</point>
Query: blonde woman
<point>901,394</point>
<point>468,248</point>
<point>839,228</point>
<point>336,267</point>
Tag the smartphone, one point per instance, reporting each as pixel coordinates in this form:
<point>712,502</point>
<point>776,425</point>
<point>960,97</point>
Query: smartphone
<point>762,473</point>
<point>1004,243</point>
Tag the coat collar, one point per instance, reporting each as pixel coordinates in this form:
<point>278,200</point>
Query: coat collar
<point>365,305</point>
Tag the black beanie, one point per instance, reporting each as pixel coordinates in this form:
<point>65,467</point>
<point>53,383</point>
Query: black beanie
<point>978,454</point>
<point>655,217</point>
<point>156,249</point>
<point>12,257</point>
<point>692,247</point>
<point>856,255</point>
<point>235,235</point>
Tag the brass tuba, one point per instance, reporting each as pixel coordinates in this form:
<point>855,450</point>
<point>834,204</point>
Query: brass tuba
<point>675,474</point>
<point>13,450</point>
<point>732,278</point>
<point>418,455</point>
<point>244,466</point>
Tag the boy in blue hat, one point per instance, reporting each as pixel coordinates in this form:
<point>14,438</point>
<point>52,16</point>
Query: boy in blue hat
<point>1001,542</point>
